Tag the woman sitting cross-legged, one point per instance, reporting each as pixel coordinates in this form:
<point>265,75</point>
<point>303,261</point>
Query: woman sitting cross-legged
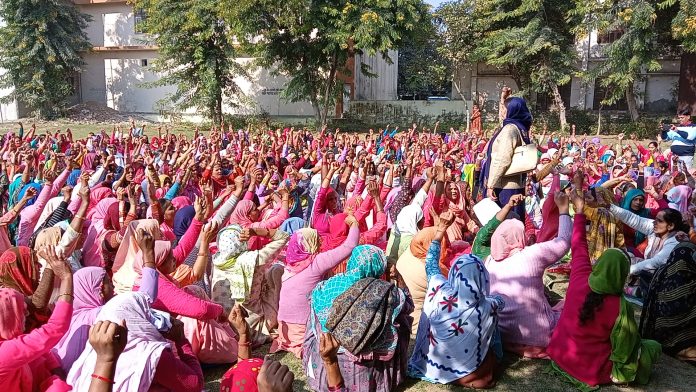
<point>457,340</point>
<point>26,361</point>
<point>596,340</point>
<point>304,267</point>
<point>370,318</point>
<point>149,360</point>
<point>516,272</point>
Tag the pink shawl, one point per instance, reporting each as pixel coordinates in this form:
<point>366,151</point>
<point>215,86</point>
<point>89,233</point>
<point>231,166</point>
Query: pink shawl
<point>240,215</point>
<point>137,364</point>
<point>211,341</point>
<point>97,195</point>
<point>87,302</point>
<point>94,240</point>
<point>679,198</point>
<point>507,239</point>
<point>302,249</point>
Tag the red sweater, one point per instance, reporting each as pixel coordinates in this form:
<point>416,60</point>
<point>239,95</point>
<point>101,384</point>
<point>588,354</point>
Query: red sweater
<point>583,350</point>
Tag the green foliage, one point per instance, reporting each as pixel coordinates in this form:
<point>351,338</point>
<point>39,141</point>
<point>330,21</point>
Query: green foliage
<point>40,49</point>
<point>197,54</point>
<point>310,41</point>
<point>684,22</point>
<point>423,70</point>
<point>532,39</point>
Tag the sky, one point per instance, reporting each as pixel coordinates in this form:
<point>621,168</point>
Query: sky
<point>435,3</point>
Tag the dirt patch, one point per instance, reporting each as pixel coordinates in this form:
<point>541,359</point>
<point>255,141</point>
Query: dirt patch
<point>93,113</point>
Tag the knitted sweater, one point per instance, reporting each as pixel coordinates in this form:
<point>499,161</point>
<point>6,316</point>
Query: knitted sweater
<point>528,318</point>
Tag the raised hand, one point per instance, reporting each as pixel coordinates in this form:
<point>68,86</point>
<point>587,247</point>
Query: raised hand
<point>108,339</point>
<point>274,377</point>
<point>328,348</point>
<point>55,261</point>
<point>144,239</point>
<point>237,319</point>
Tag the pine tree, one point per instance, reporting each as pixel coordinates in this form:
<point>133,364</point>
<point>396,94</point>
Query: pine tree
<point>197,54</point>
<point>40,48</point>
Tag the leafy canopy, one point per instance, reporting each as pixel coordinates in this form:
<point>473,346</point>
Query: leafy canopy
<point>40,48</point>
<point>310,41</point>
<point>196,54</point>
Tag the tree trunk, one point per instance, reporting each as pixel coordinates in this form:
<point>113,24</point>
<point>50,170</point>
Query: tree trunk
<point>632,104</point>
<point>329,89</point>
<point>317,112</point>
<point>558,100</point>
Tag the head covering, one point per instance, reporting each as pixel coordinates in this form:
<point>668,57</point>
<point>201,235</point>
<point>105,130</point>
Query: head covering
<point>182,220</point>
<point>401,200</point>
<point>74,177</point>
<point>48,237</point>
<point>229,247</point>
<point>626,205</point>
<point>421,243</point>
<point>242,376</point>
<point>302,247</point>
<point>519,115</point>
<point>136,366</point>
<point>458,314</point>
<point>181,202</point>
<point>19,271</point>
<point>407,220</point>
<point>240,215</point>
<point>24,189</point>
<point>95,196</point>
<point>608,278</point>
<point>366,261</point>
<point>507,239</point>
<point>88,161</point>
<point>12,313</point>
<point>104,218</point>
<point>338,232</point>
<point>87,303</point>
<point>363,317</point>
<point>291,225</point>
<point>124,272</point>
<point>162,251</point>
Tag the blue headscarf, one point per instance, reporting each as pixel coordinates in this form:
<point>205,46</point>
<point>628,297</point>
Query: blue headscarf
<point>366,261</point>
<point>24,190</point>
<point>182,221</point>
<point>74,177</point>
<point>291,225</point>
<point>645,213</point>
<point>518,114</point>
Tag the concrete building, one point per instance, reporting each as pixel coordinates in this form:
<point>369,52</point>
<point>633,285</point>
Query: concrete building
<point>658,92</point>
<point>118,66</point>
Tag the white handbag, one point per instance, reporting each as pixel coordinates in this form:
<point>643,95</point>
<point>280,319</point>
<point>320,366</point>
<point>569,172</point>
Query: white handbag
<point>524,159</point>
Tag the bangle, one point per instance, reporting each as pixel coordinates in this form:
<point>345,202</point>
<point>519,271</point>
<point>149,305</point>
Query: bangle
<point>67,295</point>
<point>245,344</point>
<point>336,388</point>
<point>100,378</point>
<point>79,217</point>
